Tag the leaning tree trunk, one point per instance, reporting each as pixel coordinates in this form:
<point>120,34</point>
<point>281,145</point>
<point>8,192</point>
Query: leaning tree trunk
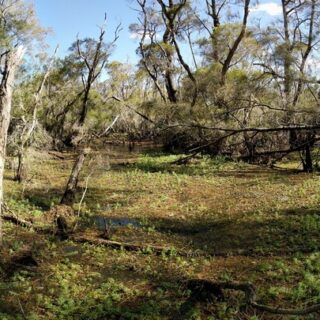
<point>69,194</point>
<point>12,60</point>
<point>21,169</point>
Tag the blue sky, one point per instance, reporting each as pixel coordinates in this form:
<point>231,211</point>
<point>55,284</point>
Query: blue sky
<point>67,18</point>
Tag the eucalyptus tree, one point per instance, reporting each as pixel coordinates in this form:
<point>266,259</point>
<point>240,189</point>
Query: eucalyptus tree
<point>28,102</point>
<point>158,48</point>
<point>18,29</point>
<point>289,50</point>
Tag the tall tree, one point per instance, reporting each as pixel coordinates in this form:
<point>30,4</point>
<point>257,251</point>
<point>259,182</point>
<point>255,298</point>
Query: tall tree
<point>18,27</point>
<point>292,44</point>
<point>30,121</point>
<point>92,56</point>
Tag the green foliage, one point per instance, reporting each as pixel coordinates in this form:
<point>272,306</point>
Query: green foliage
<point>69,298</point>
<point>203,166</point>
<point>208,205</point>
<point>18,24</point>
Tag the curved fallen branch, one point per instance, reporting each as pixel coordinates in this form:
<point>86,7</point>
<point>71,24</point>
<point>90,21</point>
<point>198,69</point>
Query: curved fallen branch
<point>209,287</point>
<point>13,218</point>
<point>10,216</point>
<point>17,221</point>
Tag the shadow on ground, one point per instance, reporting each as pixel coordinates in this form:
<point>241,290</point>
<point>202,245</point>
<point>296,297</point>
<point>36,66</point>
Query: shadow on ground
<point>293,230</point>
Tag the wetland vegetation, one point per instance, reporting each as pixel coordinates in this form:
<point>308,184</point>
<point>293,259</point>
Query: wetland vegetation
<point>238,222</point>
<point>182,185</point>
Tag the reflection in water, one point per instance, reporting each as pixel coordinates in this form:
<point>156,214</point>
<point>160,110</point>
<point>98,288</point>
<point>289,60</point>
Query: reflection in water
<point>102,222</point>
<point>133,148</point>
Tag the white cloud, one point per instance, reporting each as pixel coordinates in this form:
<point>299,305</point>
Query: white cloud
<point>137,35</point>
<point>270,8</point>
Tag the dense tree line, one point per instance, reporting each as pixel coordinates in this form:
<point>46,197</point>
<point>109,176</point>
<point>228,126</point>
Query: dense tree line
<point>203,66</point>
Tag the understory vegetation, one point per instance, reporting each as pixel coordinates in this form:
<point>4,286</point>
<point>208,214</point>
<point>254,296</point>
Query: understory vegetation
<point>244,222</point>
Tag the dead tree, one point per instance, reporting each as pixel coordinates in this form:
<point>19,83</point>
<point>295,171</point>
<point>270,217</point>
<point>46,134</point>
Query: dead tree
<point>94,61</point>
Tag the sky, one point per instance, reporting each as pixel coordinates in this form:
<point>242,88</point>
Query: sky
<point>69,18</point>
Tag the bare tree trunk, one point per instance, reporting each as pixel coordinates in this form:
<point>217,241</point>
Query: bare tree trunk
<point>11,62</point>
<point>213,12</point>
<point>233,49</point>
<point>170,13</point>
<point>308,165</point>
<point>69,194</point>
<point>93,68</point>
<point>307,161</point>
<point>21,170</point>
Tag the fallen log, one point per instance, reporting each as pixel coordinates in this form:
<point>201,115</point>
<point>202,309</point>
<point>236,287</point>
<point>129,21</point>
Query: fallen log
<point>57,155</point>
<point>25,224</point>
<point>17,221</point>
<point>10,216</point>
<point>158,250</point>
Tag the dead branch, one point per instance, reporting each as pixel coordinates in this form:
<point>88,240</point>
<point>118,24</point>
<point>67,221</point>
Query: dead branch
<point>109,128</point>
<point>282,152</point>
<point>56,155</point>
<point>134,110</point>
<point>17,221</point>
<point>158,250</point>
<point>12,217</point>
<point>248,129</point>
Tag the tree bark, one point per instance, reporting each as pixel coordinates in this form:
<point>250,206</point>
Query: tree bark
<point>308,166</point>
<point>11,62</point>
<point>238,40</point>
<point>21,170</point>
<point>69,194</point>
<point>213,11</point>
<point>307,161</point>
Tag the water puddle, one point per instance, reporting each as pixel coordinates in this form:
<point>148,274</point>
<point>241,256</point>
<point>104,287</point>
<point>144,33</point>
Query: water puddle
<point>102,222</point>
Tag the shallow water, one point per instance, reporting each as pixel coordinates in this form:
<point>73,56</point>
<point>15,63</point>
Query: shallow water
<point>130,149</point>
<point>101,222</point>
